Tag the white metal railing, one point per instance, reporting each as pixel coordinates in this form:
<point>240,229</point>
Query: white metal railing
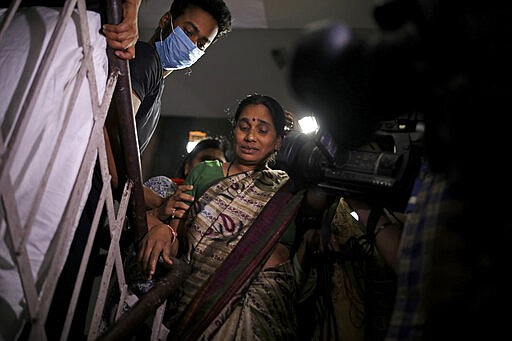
<point>39,291</point>
<point>39,287</point>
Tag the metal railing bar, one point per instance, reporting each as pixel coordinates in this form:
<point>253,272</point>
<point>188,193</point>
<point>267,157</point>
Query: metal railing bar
<point>148,303</point>
<point>11,11</point>
<point>85,260</point>
<point>127,131</point>
<point>116,227</point>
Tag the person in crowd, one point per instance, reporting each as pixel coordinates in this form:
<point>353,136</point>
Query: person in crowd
<point>210,148</point>
<point>217,206</point>
<point>159,188</point>
<point>351,286</point>
<point>408,245</point>
<point>182,37</point>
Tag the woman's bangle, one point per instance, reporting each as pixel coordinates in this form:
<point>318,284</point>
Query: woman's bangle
<point>174,233</point>
<point>380,227</point>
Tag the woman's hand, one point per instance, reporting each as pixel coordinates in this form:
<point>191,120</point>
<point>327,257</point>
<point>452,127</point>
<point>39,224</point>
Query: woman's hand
<point>176,206</point>
<point>160,243</point>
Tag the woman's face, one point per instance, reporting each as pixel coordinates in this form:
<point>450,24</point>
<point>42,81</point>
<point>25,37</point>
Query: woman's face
<point>255,136</point>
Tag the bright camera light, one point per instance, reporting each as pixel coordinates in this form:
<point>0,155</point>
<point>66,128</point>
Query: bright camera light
<point>308,124</point>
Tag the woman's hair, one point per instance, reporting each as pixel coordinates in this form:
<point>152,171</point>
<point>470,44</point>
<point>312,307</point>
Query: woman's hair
<point>276,110</point>
<point>217,8</point>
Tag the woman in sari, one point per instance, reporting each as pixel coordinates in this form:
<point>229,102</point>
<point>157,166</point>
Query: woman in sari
<point>210,215</point>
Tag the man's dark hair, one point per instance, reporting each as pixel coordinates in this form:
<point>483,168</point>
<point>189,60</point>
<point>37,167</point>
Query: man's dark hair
<point>217,8</point>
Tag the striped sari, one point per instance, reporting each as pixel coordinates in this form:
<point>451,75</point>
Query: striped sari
<point>265,309</point>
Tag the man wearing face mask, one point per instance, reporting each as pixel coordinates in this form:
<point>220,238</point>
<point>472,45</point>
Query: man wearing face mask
<point>181,38</point>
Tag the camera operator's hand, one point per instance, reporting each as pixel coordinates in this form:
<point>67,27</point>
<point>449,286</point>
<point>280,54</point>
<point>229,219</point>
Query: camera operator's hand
<point>387,230</point>
<point>291,122</point>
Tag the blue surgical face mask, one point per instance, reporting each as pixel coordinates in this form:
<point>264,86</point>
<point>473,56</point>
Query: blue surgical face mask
<point>177,51</point>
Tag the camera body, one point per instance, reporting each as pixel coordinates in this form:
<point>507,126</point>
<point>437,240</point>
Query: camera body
<point>380,173</point>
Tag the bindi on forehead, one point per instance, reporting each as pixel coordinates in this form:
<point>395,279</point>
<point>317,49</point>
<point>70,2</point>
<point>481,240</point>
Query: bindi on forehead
<point>257,120</point>
<point>254,118</point>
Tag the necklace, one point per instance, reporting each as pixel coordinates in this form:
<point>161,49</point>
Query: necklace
<point>245,172</point>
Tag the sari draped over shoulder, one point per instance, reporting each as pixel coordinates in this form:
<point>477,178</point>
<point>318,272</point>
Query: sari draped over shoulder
<point>217,222</point>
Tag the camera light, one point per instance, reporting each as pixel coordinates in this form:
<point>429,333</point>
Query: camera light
<point>308,124</point>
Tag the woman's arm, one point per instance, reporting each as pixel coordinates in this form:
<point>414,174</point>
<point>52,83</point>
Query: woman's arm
<point>160,241</point>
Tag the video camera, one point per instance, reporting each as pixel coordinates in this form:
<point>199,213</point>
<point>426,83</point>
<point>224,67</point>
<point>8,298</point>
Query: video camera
<point>380,173</point>
<point>444,59</point>
<point>363,89</point>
